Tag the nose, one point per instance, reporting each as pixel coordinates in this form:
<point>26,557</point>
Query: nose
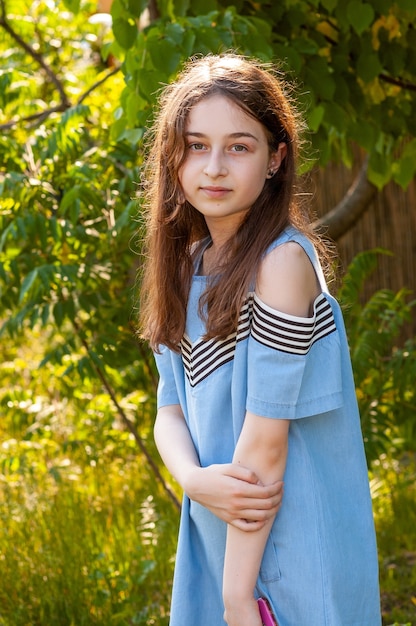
<point>215,165</point>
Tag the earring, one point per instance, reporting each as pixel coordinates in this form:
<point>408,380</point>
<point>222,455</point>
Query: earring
<point>271,173</point>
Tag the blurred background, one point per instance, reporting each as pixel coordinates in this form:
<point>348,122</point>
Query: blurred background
<point>88,515</point>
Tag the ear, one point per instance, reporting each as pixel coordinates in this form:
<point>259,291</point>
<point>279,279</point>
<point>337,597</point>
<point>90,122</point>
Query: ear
<point>277,157</point>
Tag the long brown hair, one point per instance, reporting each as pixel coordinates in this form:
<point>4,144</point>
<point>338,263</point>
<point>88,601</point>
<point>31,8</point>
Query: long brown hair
<point>174,226</point>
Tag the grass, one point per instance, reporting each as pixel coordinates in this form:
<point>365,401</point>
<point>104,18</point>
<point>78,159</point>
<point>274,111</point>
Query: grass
<point>84,549</point>
<point>86,535</point>
<point>393,484</point>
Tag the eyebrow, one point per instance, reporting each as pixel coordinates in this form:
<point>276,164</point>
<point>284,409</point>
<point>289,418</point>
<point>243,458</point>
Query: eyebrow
<point>238,135</point>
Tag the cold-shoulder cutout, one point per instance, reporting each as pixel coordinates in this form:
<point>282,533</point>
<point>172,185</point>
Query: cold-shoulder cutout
<point>291,333</point>
<point>287,280</point>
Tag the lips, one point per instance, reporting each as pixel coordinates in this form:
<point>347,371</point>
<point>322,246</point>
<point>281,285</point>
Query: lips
<point>215,192</point>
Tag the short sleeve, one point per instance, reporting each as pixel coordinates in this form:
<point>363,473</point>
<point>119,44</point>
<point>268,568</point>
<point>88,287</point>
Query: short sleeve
<point>294,365</point>
<point>167,392</point>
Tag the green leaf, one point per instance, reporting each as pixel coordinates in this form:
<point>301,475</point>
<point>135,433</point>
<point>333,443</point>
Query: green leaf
<point>164,54</point>
<point>125,32</point>
<point>379,169</point>
<point>136,7</point>
<point>27,284</point>
<point>288,55</point>
<point>41,230</point>
<point>335,116</point>
<point>342,92</point>
<point>45,314</point>
<point>360,15</point>
<point>149,83</point>
<point>330,5</point>
<point>304,45</point>
<point>315,118</point>
<point>364,134</point>
<point>10,230</point>
<point>70,198</point>
<point>174,32</point>
<point>188,42</point>
<point>173,8</point>
<point>259,36</point>
<point>118,9</point>
<point>368,66</point>
<point>319,78</point>
<point>407,5</point>
<point>58,313</point>
<point>72,5</point>
<point>181,7</point>
<point>132,135</point>
<point>404,170</point>
<point>200,7</point>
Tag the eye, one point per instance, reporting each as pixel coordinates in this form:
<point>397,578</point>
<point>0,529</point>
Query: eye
<point>196,147</point>
<point>238,147</point>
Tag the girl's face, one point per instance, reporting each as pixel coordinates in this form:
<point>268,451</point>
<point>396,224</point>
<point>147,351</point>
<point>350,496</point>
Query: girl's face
<point>227,162</point>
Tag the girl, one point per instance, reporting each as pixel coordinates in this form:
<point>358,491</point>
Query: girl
<point>255,377</point>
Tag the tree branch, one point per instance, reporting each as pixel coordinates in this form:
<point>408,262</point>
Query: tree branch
<point>61,107</point>
<point>404,84</point>
<point>348,211</point>
<point>126,421</point>
<point>35,56</point>
<point>41,115</point>
<point>97,84</point>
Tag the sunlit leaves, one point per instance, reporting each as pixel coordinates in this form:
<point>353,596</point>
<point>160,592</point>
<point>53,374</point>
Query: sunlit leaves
<point>350,60</point>
<point>124,25</point>
<point>67,206</point>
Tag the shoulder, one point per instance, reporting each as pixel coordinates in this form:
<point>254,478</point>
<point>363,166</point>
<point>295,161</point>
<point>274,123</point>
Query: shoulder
<point>286,280</point>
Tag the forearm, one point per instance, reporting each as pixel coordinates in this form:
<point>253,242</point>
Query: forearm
<point>243,555</point>
<point>175,445</point>
<point>263,448</point>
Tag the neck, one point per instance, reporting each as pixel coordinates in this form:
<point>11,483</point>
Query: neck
<point>212,259</point>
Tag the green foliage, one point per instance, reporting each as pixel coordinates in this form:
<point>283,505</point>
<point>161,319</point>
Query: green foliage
<point>85,536</point>
<point>67,203</point>
<point>354,61</point>
<point>384,373</point>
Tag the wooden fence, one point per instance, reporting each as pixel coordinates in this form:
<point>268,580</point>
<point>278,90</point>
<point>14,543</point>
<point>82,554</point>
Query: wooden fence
<point>389,222</point>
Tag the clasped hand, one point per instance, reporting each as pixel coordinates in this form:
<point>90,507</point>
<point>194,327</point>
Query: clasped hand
<point>235,494</point>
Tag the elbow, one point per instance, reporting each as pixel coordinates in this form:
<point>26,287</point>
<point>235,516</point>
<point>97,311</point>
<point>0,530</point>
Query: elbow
<point>267,459</point>
<point>274,459</point>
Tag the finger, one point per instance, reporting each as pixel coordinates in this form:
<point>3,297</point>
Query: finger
<point>260,492</point>
<point>255,499</point>
<point>247,525</point>
<point>235,470</point>
<point>273,488</point>
<point>254,515</point>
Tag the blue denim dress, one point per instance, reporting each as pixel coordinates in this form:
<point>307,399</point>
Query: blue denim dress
<point>320,566</point>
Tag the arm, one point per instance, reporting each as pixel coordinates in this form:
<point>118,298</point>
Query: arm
<point>262,446</point>
<point>286,282</point>
<point>230,491</point>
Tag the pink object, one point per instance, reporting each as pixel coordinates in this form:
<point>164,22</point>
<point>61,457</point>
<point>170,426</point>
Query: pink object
<point>266,614</point>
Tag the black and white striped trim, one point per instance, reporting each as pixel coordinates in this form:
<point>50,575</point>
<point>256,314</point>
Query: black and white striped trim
<point>288,333</point>
<point>204,357</point>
